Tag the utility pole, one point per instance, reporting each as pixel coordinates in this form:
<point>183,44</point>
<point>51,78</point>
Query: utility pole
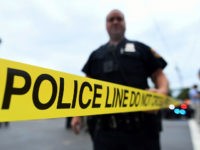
<point>179,75</point>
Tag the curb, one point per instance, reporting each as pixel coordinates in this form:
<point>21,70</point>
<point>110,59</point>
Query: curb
<point>195,133</point>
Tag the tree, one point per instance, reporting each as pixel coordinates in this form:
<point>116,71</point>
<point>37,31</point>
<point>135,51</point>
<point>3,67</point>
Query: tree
<point>183,94</point>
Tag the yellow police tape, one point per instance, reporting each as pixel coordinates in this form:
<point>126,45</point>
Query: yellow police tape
<point>28,92</point>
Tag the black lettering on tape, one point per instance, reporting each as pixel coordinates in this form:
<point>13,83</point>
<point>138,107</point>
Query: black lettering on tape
<point>125,98</point>
<point>83,86</point>
<point>157,101</point>
<point>60,97</point>
<point>135,99</point>
<point>119,96</point>
<point>10,90</point>
<point>107,96</point>
<point>145,99</point>
<point>133,95</point>
<point>96,95</point>
<point>75,94</point>
<point>36,88</point>
<point>113,102</point>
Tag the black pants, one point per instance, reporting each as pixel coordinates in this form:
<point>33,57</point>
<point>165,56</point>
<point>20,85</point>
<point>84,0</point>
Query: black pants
<point>115,140</point>
<point>68,122</point>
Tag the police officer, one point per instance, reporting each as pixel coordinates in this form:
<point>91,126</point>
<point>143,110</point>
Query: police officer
<point>129,63</point>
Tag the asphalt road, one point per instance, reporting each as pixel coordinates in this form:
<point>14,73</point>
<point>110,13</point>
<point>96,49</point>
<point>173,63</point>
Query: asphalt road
<point>51,135</point>
<point>176,135</point>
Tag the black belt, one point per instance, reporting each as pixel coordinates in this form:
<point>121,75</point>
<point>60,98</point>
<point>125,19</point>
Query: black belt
<point>120,122</point>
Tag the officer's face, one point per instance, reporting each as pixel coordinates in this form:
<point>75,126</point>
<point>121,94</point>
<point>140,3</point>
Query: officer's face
<point>115,24</point>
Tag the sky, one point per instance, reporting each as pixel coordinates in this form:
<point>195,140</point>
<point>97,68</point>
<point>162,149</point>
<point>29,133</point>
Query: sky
<point>60,34</point>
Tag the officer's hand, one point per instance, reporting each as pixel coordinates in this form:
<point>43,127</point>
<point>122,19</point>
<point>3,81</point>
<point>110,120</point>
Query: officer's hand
<point>76,124</point>
<point>160,91</point>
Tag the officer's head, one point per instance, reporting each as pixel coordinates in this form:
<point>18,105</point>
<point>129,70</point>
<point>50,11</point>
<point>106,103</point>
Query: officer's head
<point>195,86</point>
<point>115,24</point>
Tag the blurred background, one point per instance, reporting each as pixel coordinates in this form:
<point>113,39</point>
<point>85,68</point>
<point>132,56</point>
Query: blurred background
<point>57,33</point>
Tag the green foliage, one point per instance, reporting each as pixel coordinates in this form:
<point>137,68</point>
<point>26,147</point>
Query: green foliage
<point>183,94</point>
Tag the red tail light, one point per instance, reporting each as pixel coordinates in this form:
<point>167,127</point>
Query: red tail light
<point>184,106</point>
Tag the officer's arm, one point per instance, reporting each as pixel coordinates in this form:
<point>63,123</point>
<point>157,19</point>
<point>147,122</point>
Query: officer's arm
<point>161,82</point>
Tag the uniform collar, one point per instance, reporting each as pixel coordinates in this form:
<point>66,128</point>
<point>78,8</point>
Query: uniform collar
<point>121,43</point>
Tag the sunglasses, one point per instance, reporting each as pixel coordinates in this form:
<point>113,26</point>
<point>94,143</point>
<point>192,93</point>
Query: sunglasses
<point>112,19</point>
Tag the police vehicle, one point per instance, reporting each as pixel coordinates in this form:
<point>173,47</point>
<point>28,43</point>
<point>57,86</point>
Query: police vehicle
<point>183,111</point>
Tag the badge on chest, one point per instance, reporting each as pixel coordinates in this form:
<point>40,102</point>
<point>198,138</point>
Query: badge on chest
<point>109,66</point>
<point>128,48</point>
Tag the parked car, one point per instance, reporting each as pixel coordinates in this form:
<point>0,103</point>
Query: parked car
<point>184,110</point>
